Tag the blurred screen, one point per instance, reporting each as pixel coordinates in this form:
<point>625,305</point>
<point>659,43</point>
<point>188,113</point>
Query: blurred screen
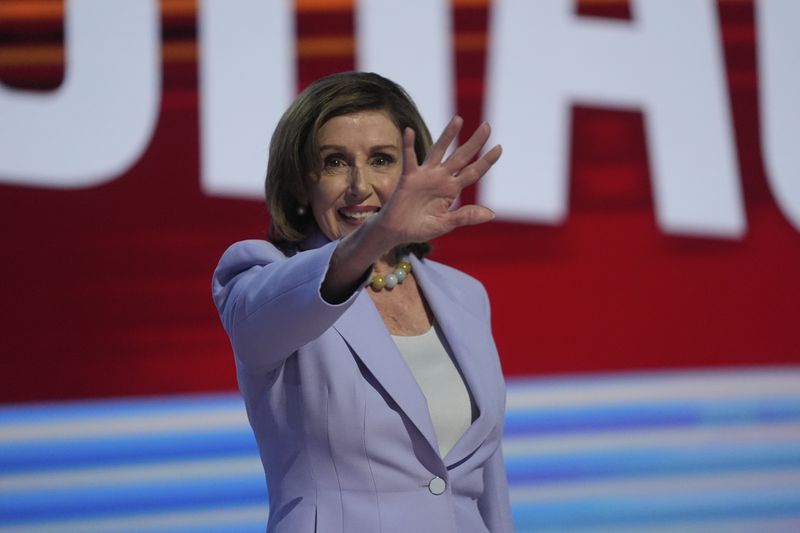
<point>647,233</point>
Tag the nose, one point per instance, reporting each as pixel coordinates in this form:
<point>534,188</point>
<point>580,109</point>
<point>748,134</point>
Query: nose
<point>359,188</point>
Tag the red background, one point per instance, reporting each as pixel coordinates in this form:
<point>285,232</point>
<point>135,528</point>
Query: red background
<point>106,291</point>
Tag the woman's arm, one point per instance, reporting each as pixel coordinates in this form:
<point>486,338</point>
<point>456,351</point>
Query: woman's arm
<point>269,304</point>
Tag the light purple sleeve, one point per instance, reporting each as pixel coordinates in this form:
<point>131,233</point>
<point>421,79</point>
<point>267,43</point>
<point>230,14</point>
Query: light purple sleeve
<point>494,504</point>
<point>269,304</point>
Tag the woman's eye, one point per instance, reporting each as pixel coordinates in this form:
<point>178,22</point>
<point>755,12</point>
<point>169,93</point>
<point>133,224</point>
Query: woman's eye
<point>334,161</point>
<point>382,160</point>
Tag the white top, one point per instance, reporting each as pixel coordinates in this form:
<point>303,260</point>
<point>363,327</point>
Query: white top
<point>441,383</point>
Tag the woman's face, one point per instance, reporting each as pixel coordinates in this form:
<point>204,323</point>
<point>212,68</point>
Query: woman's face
<point>361,161</point>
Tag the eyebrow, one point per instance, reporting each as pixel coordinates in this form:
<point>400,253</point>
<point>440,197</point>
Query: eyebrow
<point>338,148</point>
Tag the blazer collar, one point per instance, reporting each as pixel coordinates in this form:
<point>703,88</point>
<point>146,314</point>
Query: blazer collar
<point>365,332</point>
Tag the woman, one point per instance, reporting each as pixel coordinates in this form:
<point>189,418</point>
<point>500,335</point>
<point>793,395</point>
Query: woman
<point>369,374</point>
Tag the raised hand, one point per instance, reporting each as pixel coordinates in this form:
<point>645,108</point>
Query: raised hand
<point>420,207</point>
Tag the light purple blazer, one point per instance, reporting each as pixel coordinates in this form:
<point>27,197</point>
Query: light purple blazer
<point>344,431</point>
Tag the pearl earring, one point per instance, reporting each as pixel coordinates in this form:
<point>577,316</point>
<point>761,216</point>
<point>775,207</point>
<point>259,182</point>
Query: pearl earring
<point>301,210</point>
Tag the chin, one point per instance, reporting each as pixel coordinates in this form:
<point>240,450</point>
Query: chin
<point>346,230</point>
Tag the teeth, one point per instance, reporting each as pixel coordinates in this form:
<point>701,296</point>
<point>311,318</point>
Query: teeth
<point>358,216</point>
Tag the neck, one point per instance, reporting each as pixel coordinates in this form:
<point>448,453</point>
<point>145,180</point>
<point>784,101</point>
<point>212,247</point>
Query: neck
<point>388,262</point>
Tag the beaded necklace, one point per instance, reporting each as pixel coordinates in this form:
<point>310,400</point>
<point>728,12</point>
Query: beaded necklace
<point>390,281</point>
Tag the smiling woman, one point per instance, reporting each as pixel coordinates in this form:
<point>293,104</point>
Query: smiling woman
<point>371,379</point>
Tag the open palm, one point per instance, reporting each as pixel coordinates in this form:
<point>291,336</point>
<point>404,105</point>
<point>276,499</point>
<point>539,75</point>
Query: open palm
<point>420,207</point>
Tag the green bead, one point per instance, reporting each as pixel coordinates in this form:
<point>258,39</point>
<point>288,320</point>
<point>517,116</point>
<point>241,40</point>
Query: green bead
<point>405,266</point>
<point>378,282</point>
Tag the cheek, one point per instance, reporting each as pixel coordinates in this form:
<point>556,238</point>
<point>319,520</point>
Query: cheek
<point>325,192</point>
<point>387,186</point>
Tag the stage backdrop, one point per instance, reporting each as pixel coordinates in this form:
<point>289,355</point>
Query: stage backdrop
<point>647,205</point>
<point>643,266</point>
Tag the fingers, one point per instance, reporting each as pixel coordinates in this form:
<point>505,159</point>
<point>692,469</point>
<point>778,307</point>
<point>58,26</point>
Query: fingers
<point>409,155</point>
<point>476,170</point>
<point>438,149</point>
<point>464,154</point>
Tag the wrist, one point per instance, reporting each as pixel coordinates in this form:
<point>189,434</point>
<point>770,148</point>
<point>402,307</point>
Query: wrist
<point>385,231</point>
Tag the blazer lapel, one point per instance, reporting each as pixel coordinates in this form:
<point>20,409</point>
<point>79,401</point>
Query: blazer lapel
<point>365,332</point>
<point>462,329</point>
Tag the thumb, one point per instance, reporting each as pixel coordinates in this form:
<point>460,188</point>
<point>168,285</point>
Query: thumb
<point>470,215</point>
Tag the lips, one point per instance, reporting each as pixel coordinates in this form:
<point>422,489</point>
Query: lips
<point>357,213</point>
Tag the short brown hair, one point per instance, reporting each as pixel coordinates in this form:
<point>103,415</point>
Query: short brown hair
<point>293,149</point>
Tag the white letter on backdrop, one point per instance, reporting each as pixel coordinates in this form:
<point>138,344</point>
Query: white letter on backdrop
<point>410,42</point>
<point>667,61</point>
<point>778,54</point>
<point>99,121</point>
<point>247,78</point>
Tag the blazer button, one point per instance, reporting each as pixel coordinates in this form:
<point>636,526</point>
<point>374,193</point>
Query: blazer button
<point>437,485</point>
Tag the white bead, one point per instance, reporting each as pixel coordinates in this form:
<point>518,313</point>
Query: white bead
<point>391,281</point>
<point>400,274</point>
<point>405,259</point>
